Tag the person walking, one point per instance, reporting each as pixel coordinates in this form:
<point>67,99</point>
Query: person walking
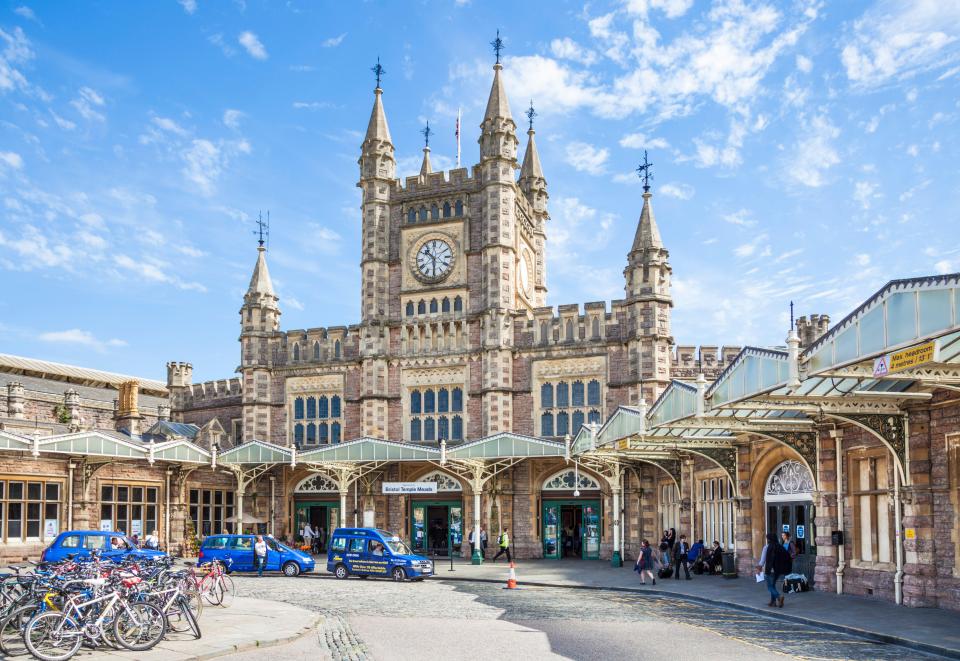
<point>308,536</point>
<point>504,542</point>
<point>645,563</point>
<point>774,563</point>
<point>483,542</point>
<point>680,558</point>
<point>259,555</point>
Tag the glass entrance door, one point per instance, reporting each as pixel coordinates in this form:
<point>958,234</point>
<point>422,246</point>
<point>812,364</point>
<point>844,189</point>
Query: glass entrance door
<point>324,518</point>
<point>435,525</point>
<point>795,518</point>
<point>571,529</point>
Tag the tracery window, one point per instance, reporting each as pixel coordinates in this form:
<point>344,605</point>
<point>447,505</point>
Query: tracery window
<point>790,478</point>
<point>411,216</point>
<point>569,479</point>
<point>430,413</point>
<point>317,419</point>
<point>316,483</point>
<point>433,305</point>
<point>459,208</point>
<point>316,351</point>
<point>409,308</point>
<point>446,209</point>
<point>458,304</point>
<point>444,482</point>
<point>566,405</point>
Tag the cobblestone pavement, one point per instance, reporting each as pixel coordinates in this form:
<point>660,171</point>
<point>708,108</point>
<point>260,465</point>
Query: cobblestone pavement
<point>554,613</point>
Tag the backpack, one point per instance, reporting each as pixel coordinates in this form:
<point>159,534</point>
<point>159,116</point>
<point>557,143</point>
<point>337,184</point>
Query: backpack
<point>782,562</point>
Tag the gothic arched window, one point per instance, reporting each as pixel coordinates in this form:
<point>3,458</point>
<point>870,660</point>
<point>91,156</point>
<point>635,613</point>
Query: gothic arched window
<point>433,305</point>
<point>324,433</point>
<point>415,429</point>
<point>544,332</point>
<point>596,328</point>
<point>298,434</point>
<point>311,407</point>
<point>577,421</point>
<point>335,406</point>
<point>423,213</point>
<point>458,209</point>
<point>593,417</point>
<point>411,216</point>
<point>415,401</point>
<point>335,432</point>
<point>434,212</point>
<point>569,331</point>
<point>563,391</point>
<point>311,434</point>
<point>336,349</point>
<point>457,400</point>
<point>298,408</point>
<point>443,428</point>
<point>445,305</point>
<point>546,396</point>
<point>324,407</point>
<point>316,351</point>
<point>409,308</point>
<point>458,304</point>
<point>563,423</point>
<point>457,434</point>
<point>443,400</point>
<point>296,352</point>
<point>593,393</point>
<point>428,426</point>
<point>446,209</point>
<point>546,424</point>
<point>422,307</point>
<point>576,396</point>
<point>429,402</point>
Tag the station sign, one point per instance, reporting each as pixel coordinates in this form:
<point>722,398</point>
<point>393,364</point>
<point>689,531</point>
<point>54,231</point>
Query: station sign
<point>905,358</point>
<point>392,488</point>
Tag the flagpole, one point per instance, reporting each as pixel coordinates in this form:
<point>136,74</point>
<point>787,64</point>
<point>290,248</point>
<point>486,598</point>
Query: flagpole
<point>458,137</point>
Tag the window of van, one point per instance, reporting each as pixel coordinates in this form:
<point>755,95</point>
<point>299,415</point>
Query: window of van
<point>95,542</point>
<point>215,543</point>
<point>338,544</point>
<point>358,545</point>
<point>241,543</point>
<point>71,542</point>
<point>271,544</point>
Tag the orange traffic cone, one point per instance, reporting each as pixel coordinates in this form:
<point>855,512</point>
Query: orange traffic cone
<point>512,578</point>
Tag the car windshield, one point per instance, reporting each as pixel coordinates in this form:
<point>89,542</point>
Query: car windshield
<point>398,547</point>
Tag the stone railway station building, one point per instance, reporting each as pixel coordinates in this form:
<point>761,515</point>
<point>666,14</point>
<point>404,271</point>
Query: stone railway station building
<point>582,429</point>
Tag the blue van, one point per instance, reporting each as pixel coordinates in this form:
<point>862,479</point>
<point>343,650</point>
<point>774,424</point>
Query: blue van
<point>79,543</point>
<point>372,552</point>
<point>236,552</point>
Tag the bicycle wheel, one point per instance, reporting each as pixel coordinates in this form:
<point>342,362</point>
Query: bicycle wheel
<point>139,627</point>
<point>194,601</point>
<point>210,590</point>
<point>52,636</point>
<point>227,591</point>
<point>12,628</point>
<point>190,618</point>
<point>177,618</point>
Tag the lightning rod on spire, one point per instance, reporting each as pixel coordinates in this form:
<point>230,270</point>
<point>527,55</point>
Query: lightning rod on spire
<point>497,46</point>
<point>378,71</point>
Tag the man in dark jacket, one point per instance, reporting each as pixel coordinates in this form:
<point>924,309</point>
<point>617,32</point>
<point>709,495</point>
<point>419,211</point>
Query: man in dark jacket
<point>775,563</point>
<point>680,551</point>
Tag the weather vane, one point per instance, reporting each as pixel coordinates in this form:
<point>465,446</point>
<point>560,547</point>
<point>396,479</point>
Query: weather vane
<point>791,315</point>
<point>497,46</point>
<point>426,132</point>
<point>263,228</point>
<point>378,71</point>
<point>531,113</point>
<point>645,172</point>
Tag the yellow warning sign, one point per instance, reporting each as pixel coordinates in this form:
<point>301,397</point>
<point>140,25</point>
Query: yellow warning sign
<point>912,356</point>
<point>910,533</point>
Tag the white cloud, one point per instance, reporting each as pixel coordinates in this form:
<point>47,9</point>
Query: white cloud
<point>11,159</point>
<point>189,6</point>
<point>864,192</point>
<point>221,43</point>
<point>204,161</point>
<point>641,141</point>
<point>253,45</point>
<point>314,105</point>
<point>896,39</point>
<point>584,157</point>
<point>913,150</point>
<point>815,153</point>
<point>26,13</point>
<point>87,102</point>
<point>944,266</point>
<point>62,122</point>
<point>152,270</point>
<point>16,51</point>
<point>863,259</point>
<point>671,8</point>
<point>804,64</point>
<point>677,190</point>
<point>170,125</point>
<point>36,250</point>
<point>231,118</point>
<point>750,249</point>
<point>740,218</point>
<point>333,42</point>
<point>81,337</point>
<point>568,49</point>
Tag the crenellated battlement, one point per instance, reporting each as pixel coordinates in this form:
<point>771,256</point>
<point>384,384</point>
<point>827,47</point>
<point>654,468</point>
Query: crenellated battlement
<point>683,360</point>
<point>215,390</point>
<point>437,183</point>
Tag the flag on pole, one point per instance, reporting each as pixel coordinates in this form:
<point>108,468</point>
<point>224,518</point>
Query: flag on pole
<point>458,137</point>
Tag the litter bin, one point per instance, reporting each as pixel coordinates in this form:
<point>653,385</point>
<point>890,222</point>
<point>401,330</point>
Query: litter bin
<point>729,565</point>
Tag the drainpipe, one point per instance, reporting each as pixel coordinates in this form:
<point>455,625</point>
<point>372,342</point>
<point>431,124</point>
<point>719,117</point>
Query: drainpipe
<point>477,485</point>
<point>615,559</point>
<point>70,467</point>
<point>841,552</point>
<point>166,515</point>
<point>898,540</point>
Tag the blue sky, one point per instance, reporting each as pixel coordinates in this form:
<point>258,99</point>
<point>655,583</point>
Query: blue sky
<point>802,150</point>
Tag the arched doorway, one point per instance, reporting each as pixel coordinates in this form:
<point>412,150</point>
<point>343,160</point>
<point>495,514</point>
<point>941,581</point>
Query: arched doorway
<point>571,515</point>
<point>316,500</point>
<point>789,502</point>
<point>437,520</point>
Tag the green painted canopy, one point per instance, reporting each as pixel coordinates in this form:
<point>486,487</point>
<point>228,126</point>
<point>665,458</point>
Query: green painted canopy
<point>181,451</point>
<point>256,452</point>
<point>369,449</point>
<point>507,445</point>
<point>93,443</point>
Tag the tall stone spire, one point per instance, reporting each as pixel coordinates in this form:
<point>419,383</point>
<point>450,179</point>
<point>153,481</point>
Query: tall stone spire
<point>260,283</point>
<point>530,171</point>
<point>377,128</point>
<point>534,187</point>
<point>426,168</point>
<point>647,234</point>
<point>497,104</point>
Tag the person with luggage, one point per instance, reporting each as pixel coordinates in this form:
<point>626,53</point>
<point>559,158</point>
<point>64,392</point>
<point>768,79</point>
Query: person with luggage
<point>775,563</point>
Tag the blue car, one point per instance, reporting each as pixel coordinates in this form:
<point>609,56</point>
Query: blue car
<point>373,552</point>
<point>79,543</point>
<point>236,552</point>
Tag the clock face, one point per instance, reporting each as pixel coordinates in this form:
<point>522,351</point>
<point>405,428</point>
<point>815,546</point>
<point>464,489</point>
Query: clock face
<point>434,259</point>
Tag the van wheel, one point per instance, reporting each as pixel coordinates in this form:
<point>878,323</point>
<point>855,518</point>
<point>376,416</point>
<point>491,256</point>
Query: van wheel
<point>398,574</point>
<point>341,571</point>
<point>290,568</point>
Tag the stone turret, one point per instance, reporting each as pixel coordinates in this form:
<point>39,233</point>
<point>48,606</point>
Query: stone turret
<point>534,187</point>
<point>810,329</point>
<point>259,340</point>
<point>128,409</point>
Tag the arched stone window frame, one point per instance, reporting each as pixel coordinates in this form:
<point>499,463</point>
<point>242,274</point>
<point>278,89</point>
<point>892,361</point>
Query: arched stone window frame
<point>569,479</point>
<point>316,350</point>
<point>445,481</point>
<point>791,480</point>
<point>446,210</point>
<point>316,483</point>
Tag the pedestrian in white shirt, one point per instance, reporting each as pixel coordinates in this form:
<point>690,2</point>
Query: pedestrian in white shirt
<point>259,555</point>
<point>308,535</point>
<point>152,541</point>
